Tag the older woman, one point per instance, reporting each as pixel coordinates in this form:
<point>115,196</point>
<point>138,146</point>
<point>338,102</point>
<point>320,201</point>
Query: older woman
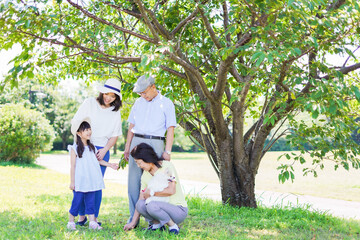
<point>158,213</point>
<point>105,118</point>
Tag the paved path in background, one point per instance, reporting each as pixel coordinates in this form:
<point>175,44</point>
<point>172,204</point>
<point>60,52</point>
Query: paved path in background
<point>339,208</point>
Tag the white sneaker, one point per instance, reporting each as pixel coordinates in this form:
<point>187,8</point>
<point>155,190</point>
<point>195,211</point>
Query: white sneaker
<point>94,225</point>
<point>71,226</point>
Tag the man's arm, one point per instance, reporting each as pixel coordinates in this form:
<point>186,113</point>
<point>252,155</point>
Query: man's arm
<point>169,142</point>
<point>129,138</point>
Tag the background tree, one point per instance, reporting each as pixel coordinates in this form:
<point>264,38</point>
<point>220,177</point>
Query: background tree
<point>57,102</point>
<point>24,133</point>
<point>221,62</point>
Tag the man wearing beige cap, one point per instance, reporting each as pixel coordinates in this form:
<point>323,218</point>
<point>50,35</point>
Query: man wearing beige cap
<point>151,116</point>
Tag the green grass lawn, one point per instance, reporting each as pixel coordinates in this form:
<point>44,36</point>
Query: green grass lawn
<point>34,204</point>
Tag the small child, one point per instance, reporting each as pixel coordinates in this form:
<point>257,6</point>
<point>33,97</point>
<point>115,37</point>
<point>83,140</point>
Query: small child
<point>85,173</point>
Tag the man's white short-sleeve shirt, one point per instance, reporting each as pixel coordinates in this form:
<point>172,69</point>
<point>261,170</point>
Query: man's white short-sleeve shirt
<point>154,117</point>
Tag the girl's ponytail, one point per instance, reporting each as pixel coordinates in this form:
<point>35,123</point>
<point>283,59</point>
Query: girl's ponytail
<point>80,146</point>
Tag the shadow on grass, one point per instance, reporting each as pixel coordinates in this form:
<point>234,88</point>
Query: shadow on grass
<point>22,165</point>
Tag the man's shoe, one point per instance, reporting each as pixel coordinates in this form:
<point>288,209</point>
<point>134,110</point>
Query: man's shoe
<point>83,222</point>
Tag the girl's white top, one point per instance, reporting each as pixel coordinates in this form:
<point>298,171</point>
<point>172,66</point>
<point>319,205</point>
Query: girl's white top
<point>88,176</point>
<point>105,123</point>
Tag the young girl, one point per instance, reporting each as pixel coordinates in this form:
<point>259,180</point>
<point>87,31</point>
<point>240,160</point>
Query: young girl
<point>85,173</point>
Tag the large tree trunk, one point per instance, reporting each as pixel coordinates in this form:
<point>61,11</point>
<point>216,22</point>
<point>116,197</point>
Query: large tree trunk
<point>237,189</point>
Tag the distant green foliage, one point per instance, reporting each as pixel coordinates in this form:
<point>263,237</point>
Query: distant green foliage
<point>280,145</point>
<point>24,133</point>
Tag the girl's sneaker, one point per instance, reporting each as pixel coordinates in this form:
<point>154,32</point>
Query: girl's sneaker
<point>71,226</point>
<point>82,223</point>
<point>94,225</point>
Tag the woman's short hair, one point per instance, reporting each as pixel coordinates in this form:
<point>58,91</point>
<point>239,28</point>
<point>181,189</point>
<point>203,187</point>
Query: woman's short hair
<point>146,153</point>
<point>117,103</point>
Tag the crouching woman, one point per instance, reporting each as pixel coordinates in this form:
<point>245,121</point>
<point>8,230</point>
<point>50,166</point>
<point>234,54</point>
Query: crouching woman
<point>158,213</point>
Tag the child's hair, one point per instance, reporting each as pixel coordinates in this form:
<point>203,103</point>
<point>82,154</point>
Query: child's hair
<point>80,145</point>
<point>116,103</point>
<point>146,153</point>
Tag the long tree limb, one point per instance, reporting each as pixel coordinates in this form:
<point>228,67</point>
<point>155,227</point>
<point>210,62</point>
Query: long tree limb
<point>147,20</point>
<point>191,69</point>
<point>238,123</point>
<point>225,66</point>
<point>226,22</point>
<point>162,30</point>
<point>344,70</point>
<point>106,58</point>
<point>98,19</point>
<point>174,72</point>
<point>209,28</point>
<point>183,23</point>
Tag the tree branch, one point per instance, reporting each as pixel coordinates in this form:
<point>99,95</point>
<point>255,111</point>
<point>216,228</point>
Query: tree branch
<point>191,17</point>
<point>238,107</point>
<point>209,28</point>
<point>85,50</point>
<point>130,12</point>
<point>174,72</point>
<point>335,5</point>
<point>271,142</point>
<point>147,20</point>
<point>234,72</point>
<point>344,70</point>
<point>191,69</point>
<point>92,16</point>
<point>165,33</point>
<point>226,22</point>
<point>204,139</point>
<point>224,68</point>
<point>250,131</point>
<point>350,56</point>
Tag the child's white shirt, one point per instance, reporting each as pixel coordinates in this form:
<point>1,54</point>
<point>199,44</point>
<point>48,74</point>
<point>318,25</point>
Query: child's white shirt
<point>88,176</point>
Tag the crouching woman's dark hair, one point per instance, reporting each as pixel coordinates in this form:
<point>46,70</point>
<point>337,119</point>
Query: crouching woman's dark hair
<point>146,153</point>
